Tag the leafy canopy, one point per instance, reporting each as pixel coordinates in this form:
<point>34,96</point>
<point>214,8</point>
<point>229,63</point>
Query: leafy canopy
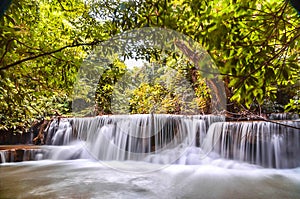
<point>254,44</point>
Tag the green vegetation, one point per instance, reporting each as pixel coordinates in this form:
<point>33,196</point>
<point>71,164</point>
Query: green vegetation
<point>254,44</point>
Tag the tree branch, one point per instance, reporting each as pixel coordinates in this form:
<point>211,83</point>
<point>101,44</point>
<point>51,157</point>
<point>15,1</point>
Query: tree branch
<point>49,53</point>
<point>249,116</point>
<point>6,49</point>
<point>278,53</point>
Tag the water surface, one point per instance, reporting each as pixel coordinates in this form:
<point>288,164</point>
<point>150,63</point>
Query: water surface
<point>130,179</point>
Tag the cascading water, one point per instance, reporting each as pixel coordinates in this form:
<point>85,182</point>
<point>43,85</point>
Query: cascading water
<point>3,156</point>
<point>131,137</point>
<point>284,116</point>
<point>192,156</point>
<point>271,145</point>
<point>176,139</point>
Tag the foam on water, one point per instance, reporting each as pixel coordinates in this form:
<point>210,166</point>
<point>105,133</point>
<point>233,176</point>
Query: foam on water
<point>176,139</point>
<point>159,156</point>
<point>92,179</point>
<point>271,145</point>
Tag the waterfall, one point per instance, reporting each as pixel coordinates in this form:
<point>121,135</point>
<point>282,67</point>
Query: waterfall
<point>59,133</point>
<point>263,143</point>
<point>284,116</point>
<point>21,153</point>
<point>130,137</point>
<point>175,139</point>
<point>3,156</point>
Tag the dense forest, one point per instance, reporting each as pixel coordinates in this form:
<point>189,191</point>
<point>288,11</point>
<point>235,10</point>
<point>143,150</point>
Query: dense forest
<point>254,45</point>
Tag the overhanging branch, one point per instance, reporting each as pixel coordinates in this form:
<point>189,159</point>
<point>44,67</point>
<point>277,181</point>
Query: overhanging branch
<point>49,53</point>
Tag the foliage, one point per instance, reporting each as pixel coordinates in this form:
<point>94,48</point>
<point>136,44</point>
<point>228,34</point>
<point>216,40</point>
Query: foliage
<point>160,86</point>
<point>146,98</point>
<point>37,69</point>
<point>294,103</point>
<point>254,44</point>
<point>105,88</point>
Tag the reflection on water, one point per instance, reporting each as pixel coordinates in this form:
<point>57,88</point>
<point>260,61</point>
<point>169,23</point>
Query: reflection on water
<point>91,179</point>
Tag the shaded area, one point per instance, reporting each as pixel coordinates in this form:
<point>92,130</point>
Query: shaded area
<point>4,4</point>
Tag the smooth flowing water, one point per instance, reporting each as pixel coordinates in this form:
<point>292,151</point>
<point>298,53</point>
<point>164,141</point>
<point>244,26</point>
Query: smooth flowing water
<point>90,179</point>
<point>159,156</point>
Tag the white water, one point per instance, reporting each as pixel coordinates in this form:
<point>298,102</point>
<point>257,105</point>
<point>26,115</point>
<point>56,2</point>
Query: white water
<point>154,138</point>
<point>263,143</point>
<point>284,116</point>
<point>159,156</point>
<point>169,139</point>
<point>90,179</point>
<point>3,156</point>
